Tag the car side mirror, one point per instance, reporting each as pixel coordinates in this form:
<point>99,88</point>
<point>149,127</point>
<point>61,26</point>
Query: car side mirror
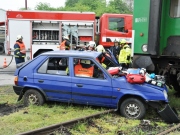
<point>126,31</point>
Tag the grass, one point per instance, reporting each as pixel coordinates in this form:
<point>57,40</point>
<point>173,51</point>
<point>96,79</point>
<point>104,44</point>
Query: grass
<point>7,95</point>
<point>113,124</point>
<point>34,117</point>
<point>174,99</point>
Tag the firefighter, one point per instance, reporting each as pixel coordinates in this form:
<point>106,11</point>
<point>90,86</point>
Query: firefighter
<point>91,46</point>
<point>19,50</point>
<point>101,58</point>
<point>115,49</point>
<point>125,54</point>
<point>83,68</point>
<point>65,45</point>
<point>100,48</point>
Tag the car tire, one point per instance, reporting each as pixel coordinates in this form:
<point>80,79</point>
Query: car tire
<point>33,97</point>
<point>132,108</point>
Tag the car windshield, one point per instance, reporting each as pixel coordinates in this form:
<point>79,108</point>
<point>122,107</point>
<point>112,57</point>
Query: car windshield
<point>106,59</point>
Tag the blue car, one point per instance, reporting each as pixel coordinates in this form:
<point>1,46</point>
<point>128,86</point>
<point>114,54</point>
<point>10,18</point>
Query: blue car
<point>80,77</point>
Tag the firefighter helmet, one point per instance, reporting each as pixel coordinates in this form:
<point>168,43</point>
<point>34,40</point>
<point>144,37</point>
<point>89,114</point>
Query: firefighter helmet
<point>92,44</point>
<point>123,41</point>
<point>19,37</point>
<point>100,48</point>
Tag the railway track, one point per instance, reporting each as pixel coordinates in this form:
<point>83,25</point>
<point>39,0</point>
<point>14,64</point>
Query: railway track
<point>52,128</point>
<point>172,129</point>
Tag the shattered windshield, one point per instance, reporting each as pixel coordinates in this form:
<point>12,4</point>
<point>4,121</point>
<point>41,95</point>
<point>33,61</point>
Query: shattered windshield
<point>106,59</point>
<point>109,64</point>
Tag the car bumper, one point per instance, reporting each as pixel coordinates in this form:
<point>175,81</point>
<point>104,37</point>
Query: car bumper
<point>169,114</point>
<point>17,89</point>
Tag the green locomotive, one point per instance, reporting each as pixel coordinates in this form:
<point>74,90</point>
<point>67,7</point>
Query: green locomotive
<point>156,25</point>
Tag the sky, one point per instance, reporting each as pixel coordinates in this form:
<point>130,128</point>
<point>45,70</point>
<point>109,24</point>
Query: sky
<point>17,4</point>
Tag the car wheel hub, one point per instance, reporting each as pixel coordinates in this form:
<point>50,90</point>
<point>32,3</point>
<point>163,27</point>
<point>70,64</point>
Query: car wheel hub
<point>33,99</point>
<point>132,110</point>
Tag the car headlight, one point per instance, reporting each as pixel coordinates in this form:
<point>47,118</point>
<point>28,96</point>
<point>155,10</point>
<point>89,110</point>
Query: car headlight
<point>144,48</point>
<point>165,94</point>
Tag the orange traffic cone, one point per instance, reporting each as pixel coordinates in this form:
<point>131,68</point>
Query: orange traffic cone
<point>5,64</point>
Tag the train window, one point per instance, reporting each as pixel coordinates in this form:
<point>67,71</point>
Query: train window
<point>175,8</point>
<point>116,24</point>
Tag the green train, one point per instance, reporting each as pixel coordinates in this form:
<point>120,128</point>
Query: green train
<point>156,25</point>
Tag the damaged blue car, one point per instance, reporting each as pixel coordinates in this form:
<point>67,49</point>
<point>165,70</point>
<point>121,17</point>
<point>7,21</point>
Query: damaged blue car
<point>81,77</point>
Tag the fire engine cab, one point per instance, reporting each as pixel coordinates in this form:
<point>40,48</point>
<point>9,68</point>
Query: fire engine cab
<point>42,31</point>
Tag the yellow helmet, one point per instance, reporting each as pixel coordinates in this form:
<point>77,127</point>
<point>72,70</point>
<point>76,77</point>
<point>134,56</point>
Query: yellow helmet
<point>123,41</point>
<point>100,48</point>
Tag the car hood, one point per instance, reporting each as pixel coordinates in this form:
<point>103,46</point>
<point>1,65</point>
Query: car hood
<point>121,82</point>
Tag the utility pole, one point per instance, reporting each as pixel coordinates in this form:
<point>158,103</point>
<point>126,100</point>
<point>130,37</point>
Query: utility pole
<point>26,4</point>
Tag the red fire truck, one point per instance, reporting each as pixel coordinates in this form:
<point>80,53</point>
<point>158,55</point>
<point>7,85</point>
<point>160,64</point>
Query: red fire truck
<point>43,30</point>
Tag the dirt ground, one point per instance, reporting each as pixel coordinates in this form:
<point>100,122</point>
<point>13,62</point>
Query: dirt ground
<point>6,109</point>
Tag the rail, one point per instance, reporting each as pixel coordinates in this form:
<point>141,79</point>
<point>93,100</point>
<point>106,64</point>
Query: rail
<point>170,130</point>
<point>50,129</point>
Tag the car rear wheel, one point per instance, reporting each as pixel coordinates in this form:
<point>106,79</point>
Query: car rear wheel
<point>132,108</point>
<point>33,97</point>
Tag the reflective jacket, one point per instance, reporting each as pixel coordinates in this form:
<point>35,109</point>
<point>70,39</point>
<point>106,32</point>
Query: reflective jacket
<point>84,72</point>
<point>19,50</point>
<point>65,45</point>
<point>125,55</point>
<point>62,45</point>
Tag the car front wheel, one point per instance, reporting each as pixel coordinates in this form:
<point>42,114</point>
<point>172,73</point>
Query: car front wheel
<point>132,108</point>
<point>33,97</point>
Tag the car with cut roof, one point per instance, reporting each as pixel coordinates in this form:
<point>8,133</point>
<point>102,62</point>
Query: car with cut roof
<point>78,77</point>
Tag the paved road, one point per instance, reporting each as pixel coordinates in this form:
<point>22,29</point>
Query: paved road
<point>7,74</point>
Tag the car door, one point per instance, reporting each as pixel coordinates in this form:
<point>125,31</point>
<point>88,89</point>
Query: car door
<point>52,77</point>
<point>91,89</point>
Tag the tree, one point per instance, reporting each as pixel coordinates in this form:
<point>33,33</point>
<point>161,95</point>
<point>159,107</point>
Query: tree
<point>88,6</point>
<point>46,6</point>
<point>94,4</point>
<point>77,7</point>
<point>119,7</point>
<point>25,8</point>
<point>97,6</point>
<point>71,3</point>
